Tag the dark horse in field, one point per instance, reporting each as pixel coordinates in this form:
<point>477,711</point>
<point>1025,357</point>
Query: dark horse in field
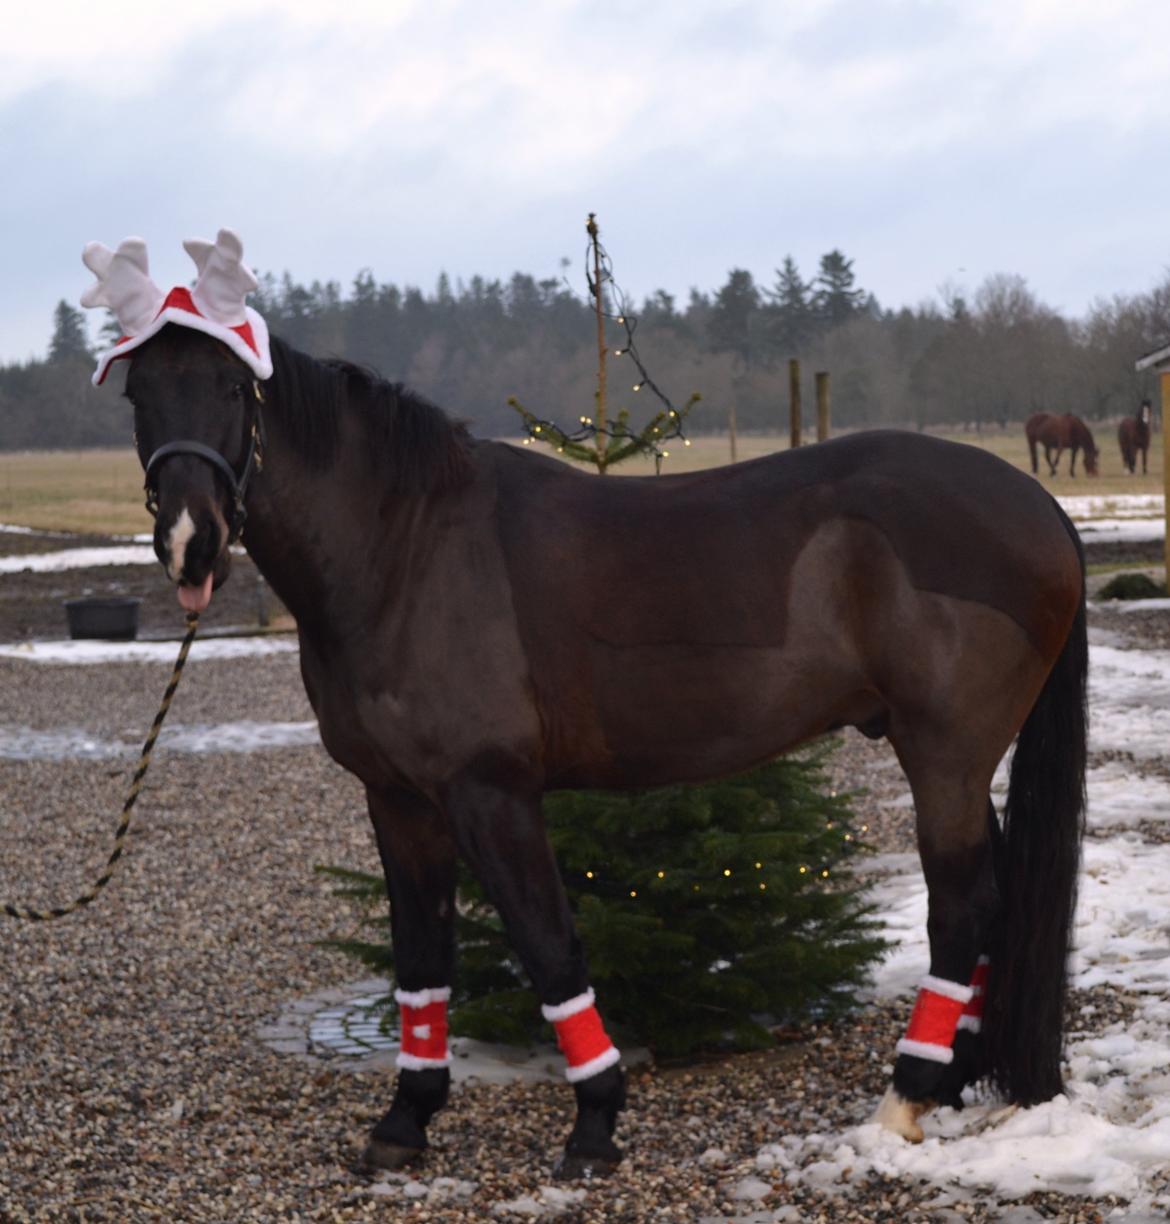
<point>480,624</point>
<point>1058,432</point>
<point>1133,436</point>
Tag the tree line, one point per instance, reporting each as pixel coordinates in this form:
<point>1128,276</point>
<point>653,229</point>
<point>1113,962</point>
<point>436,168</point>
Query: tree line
<point>988,358</point>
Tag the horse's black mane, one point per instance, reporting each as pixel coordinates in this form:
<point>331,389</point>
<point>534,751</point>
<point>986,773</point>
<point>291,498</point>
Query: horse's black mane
<point>411,442</point>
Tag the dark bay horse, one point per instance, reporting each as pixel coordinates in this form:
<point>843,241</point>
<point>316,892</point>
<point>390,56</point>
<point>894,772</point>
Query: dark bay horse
<point>1058,432</point>
<point>1133,436</point>
<point>480,624</point>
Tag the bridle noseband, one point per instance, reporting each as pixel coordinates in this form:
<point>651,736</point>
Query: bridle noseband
<point>237,485</point>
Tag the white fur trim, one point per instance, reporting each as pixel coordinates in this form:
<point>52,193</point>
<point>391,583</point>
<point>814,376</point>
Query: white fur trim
<point>948,990</point>
<point>420,998</point>
<point>594,1066</point>
<point>421,1031</point>
<point>973,1024</point>
<point>924,1049</point>
<point>412,1062</point>
<point>570,1007</point>
<point>260,364</point>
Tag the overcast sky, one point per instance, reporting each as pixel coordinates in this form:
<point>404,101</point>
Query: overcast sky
<point>932,141</point>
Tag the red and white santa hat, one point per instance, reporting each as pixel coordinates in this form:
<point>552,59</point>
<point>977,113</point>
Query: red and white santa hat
<point>215,306</point>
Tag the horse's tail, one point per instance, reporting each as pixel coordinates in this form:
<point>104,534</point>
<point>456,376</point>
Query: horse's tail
<point>1037,876</point>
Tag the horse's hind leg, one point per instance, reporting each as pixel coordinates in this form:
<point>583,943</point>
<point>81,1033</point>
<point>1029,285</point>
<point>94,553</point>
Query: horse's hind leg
<point>956,846</point>
<point>418,857</point>
<point>500,831</point>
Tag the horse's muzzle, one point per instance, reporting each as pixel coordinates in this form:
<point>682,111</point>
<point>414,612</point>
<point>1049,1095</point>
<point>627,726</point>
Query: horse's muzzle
<point>191,543</point>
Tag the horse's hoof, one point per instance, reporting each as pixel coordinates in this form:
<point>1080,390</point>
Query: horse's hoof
<point>391,1156</point>
<point>899,1115</point>
<point>575,1168</point>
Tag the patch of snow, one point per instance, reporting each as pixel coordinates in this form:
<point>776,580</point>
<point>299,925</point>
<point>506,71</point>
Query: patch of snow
<point>78,558</point>
<point>1119,505</point>
<point>26,744</point>
<point>1129,530</point>
<point>87,651</point>
<point>1136,605</point>
<point>548,1201</point>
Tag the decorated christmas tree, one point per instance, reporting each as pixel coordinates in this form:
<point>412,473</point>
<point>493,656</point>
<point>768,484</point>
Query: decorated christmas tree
<point>710,913</point>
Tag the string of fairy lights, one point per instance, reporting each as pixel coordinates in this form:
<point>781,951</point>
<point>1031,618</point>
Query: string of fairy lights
<point>665,426</point>
<point>595,881</point>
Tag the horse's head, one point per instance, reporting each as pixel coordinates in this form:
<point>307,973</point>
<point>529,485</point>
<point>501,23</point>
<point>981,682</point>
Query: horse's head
<point>196,427</point>
<point>196,360</point>
<point>1091,457</point>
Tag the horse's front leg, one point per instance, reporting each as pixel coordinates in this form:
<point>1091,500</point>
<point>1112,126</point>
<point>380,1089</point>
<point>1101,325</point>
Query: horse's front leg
<point>499,829</point>
<point>418,857</point>
<point>1053,458</point>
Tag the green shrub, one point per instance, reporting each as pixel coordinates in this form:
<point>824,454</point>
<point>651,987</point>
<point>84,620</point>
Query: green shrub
<point>1134,585</point>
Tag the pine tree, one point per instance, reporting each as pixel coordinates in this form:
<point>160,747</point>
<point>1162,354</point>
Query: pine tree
<point>834,297</point>
<point>69,336</point>
<point>734,324</point>
<point>791,315</point>
<point>703,909</point>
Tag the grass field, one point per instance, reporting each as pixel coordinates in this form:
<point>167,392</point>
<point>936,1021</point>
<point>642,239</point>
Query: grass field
<point>101,491</point>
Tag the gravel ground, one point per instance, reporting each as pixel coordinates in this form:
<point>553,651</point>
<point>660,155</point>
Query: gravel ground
<point>133,1085</point>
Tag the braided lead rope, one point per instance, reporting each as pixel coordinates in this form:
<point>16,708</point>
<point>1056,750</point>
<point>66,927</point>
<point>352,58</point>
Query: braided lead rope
<point>34,915</point>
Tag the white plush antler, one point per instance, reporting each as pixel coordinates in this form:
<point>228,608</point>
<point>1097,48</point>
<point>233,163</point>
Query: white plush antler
<point>123,283</point>
<point>224,279</point>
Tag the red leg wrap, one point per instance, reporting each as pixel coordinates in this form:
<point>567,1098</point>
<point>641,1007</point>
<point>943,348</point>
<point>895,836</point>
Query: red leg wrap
<point>582,1037</point>
<point>423,1016</point>
<point>972,1017</point>
<point>931,1031</point>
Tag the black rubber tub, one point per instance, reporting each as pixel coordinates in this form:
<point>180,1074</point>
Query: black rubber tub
<point>114,619</point>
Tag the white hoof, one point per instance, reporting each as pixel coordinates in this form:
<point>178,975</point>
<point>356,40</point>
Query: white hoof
<point>899,1115</point>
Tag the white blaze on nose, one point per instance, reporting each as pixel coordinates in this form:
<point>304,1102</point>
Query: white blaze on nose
<point>177,542</point>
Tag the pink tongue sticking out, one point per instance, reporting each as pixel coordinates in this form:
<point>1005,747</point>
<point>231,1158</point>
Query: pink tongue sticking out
<point>195,599</point>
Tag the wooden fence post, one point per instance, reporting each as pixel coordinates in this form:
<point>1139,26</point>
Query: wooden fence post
<point>1164,381</point>
<point>793,403</point>
<point>822,378</point>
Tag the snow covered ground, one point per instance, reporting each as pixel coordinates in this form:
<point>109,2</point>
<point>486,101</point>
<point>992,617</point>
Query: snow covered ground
<point>1110,1135</point>
<point>1126,517</point>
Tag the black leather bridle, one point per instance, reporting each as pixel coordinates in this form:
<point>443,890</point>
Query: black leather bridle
<point>237,485</point>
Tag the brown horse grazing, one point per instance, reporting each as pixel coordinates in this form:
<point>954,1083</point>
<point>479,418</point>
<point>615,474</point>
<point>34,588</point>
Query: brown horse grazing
<point>463,657</point>
<point>1133,435</point>
<point>1058,433</point>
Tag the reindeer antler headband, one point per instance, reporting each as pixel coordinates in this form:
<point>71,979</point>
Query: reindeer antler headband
<point>215,306</point>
